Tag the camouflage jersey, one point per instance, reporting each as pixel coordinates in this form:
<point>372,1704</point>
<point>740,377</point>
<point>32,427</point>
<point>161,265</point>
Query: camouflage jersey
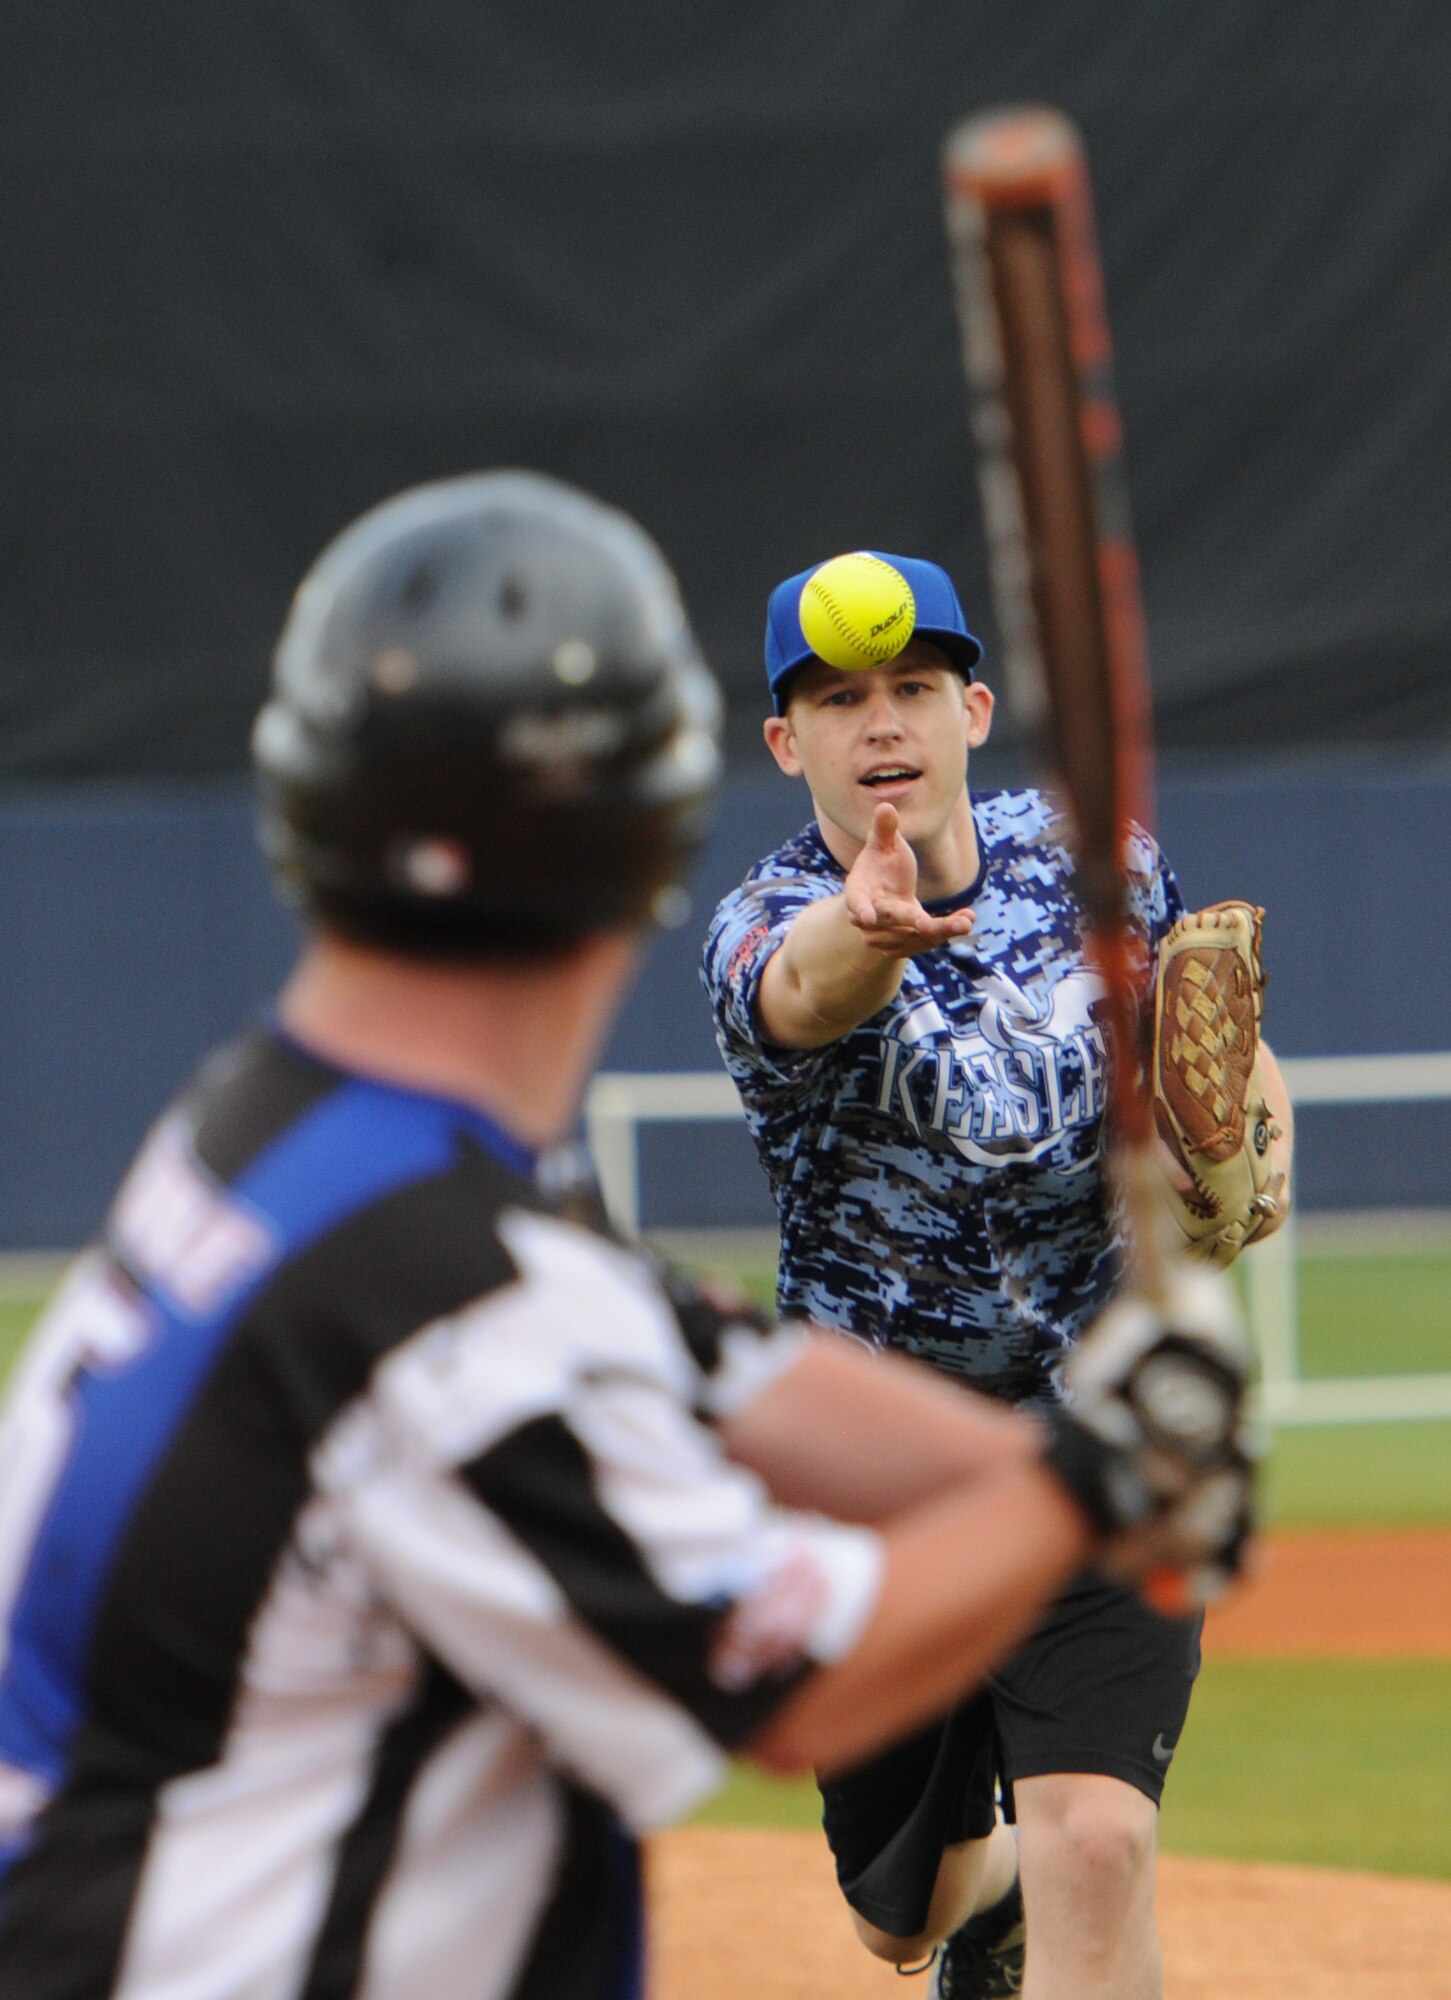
<point>937,1171</point>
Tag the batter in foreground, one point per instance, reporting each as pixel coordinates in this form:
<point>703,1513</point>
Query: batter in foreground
<point>382,1546</point>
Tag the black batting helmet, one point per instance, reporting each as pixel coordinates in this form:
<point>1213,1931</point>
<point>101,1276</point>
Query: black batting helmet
<point>491,727</point>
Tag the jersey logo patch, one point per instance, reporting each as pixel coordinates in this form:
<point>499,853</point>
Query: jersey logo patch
<point>768,1633</point>
<point>176,1227</point>
<point>1034,1067</point>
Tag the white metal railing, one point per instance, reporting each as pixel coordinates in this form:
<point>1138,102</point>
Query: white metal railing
<point>619,1102</point>
<point>1270,1271</point>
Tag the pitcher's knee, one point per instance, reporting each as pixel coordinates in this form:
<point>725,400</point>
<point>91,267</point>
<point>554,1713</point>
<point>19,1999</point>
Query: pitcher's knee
<point>1109,1856</point>
<point>1100,1844</point>
<point>892,1950</point>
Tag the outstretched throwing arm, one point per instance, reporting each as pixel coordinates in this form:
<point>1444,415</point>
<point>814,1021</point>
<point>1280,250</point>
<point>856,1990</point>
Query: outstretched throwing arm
<point>843,958</point>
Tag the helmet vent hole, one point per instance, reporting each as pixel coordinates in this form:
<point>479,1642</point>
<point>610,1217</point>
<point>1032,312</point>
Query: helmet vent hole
<point>513,599</point>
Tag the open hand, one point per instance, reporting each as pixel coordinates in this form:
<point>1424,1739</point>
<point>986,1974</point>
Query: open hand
<point>881,895</point>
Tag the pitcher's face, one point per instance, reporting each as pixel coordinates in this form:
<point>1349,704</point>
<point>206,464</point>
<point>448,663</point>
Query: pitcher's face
<point>897,734</point>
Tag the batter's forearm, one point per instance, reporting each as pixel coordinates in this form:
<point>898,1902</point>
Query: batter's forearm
<point>965,1579</point>
<point>862,1436</point>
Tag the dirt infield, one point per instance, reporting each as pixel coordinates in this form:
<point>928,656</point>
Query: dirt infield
<point>1343,1596</point>
<point>732,1906</point>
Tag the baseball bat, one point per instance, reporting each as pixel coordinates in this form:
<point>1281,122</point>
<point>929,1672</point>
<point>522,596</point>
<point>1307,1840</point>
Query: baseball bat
<point>1038,360</point>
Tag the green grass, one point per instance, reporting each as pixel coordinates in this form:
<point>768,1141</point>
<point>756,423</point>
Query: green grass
<point>756,1277</point>
<point>1359,1476</point>
<point>1326,1763</point>
<point>1364,1315</point>
<point>750,1798</point>
<point>1323,1763</point>
<point>15,1320</point>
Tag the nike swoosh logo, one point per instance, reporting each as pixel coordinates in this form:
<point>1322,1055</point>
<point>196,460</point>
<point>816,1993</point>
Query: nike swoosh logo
<point>1162,1751</point>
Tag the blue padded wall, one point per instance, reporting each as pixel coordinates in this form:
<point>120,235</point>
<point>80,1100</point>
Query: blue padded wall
<point>140,930</point>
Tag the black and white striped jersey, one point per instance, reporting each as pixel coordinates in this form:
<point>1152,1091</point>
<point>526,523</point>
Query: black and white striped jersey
<point>369,1573</point>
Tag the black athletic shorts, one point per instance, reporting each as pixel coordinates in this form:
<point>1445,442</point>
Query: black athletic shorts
<point>1102,1685</point>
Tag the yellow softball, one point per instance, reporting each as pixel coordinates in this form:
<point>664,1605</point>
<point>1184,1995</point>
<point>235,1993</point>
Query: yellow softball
<point>857,611</point>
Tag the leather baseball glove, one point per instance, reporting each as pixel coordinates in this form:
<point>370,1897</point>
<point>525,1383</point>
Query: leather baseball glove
<point>1209,1100</point>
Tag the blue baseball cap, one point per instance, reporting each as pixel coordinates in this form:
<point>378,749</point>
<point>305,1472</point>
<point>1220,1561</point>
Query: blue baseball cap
<point>939,618</point>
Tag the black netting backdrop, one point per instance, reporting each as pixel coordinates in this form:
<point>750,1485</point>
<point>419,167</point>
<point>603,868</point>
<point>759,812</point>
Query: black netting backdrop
<point>267,263</point>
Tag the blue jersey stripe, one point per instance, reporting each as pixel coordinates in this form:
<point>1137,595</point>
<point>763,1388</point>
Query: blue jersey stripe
<point>358,1145</point>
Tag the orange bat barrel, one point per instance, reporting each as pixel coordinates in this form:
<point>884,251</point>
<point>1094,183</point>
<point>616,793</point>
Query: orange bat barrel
<point>1065,572</point>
